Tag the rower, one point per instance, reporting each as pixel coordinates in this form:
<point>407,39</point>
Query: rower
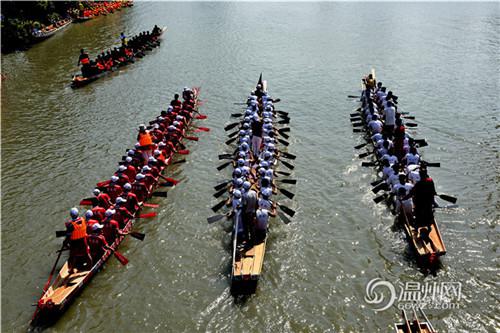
<point>423,197</point>
<point>389,118</point>
<point>405,204</point>
<point>412,157</point>
<point>236,202</point>
<point>130,197</point>
<point>83,58</point>
<point>145,142</point>
<point>122,176</point>
<point>76,229</point>
<point>258,91</point>
<point>390,156</point>
<point>111,228</point>
<point>249,207</point>
<point>89,219</point>
<point>102,199</point>
<point>375,125</point>
<point>156,30</point>
<point>256,135</point>
<point>130,171</point>
<point>114,190</point>
<point>122,213</point>
<point>261,224</point>
<point>139,187</point>
<point>393,179</point>
<point>176,103</point>
<point>97,242</point>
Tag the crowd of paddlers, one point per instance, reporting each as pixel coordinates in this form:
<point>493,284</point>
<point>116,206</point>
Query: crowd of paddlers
<point>97,8</point>
<point>117,200</point>
<point>118,56</point>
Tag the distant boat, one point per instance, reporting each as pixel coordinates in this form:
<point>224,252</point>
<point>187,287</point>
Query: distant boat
<point>49,32</point>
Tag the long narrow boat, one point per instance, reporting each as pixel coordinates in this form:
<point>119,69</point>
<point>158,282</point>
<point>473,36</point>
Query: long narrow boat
<point>415,325</point>
<point>41,34</point>
<point>65,288</point>
<point>79,80</point>
<point>427,252</point>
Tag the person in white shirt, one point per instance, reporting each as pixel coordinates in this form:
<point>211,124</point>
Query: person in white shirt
<point>390,118</point>
<point>412,157</point>
<point>390,156</point>
<point>387,170</point>
<point>261,224</point>
<point>375,125</point>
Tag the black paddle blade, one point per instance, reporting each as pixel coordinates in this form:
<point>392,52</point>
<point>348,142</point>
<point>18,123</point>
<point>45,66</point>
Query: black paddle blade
<point>61,233</point>
<point>289,181</point>
<point>286,210</point>
<point>284,218</point>
<point>283,173</point>
<point>382,186</point>
<point>284,129</point>
<point>230,126</point>
<point>228,142</point>
<point>284,121</point>
<point>431,164</point>
<point>222,166</point>
<point>410,117</point>
<point>283,142</point>
<point>179,161</point>
<point>358,130</point>
<point>215,218</point>
<point>360,146</point>
<point>221,185</point>
<point>160,194</point>
<point>225,156</point>
<point>288,165</point>
<point>219,206</point>
<point>357,124</point>
<point>286,136</point>
<point>411,124</point>
<point>352,96</point>
<point>167,184</point>
<point>233,134</point>
<point>138,235</point>
<point>282,113</point>
<point>368,164</point>
<point>448,198</point>
<point>363,155</point>
<point>375,183</point>
<point>236,114</point>
<point>380,198</point>
<point>286,193</point>
<point>354,114</point>
<point>288,155</point>
<point>221,192</point>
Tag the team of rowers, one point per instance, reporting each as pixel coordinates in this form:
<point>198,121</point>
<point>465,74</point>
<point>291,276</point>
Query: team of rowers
<point>119,199</point>
<point>252,180</point>
<point>129,48</point>
<point>406,175</point>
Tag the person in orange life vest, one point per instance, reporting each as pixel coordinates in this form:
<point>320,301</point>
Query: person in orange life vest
<point>131,170</point>
<point>122,214</point>
<point>122,176</point>
<point>89,220</point>
<point>76,229</point>
<point>114,190</point>
<point>132,201</point>
<point>103,199</point>
<point>98,213</point>
<point>84,58</point>
<point>97,242</point>
<point>111,228</point>
<point>145,142</point>
<point>176,103</point>
<point>149,178</point>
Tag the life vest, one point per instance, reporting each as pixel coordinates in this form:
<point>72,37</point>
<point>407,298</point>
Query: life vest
<point>100,66</point>
<point>85,61</point>
<point>79,229</point>
<point>145,139</point>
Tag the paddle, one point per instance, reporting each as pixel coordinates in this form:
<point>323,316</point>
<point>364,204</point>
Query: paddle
<point>168,179</point>
<point>104,183</point>
<point>282,112</point>
<point>228,142</point>
<point>448,198</point>
<point>222,185</point>
<point>222,166</point>
<point>286,193</point>
<point>201,116</point>
<point>221,192</point>
<point>192,138</point>
<point>225,156</point>
<point>286,209</point>
<point>375,183</point>
<point>365,154</point>
<point>179,161</point>
<point>368,164</point>
<point>219,205</point>
<point>284,121</point>
<point>288,181</point>
<point>288,155</point>
<point>288,165</point>
<point>183,151</point>
<point>231,126</point>
<point>411,124</point>
<point>284,129</point>
<point>147,215</point>
<point>204,129</point>
<point>352,96</point>
<point>166,184</point>
<point>160,194</point>
<point>151,205</point>
<point>121,258</point>
<point>380,198</point>
<point>283,142</point>
<point>284,218</point>
<point>430,164</point>
<point>88,201</point>
<point>357,124</point>
<point>235,115</point>
<point>409,117</point>
<point>53,269</point>
<point>284,173</point>
<point>215,218</point>
<point>358,130</point>
<point>382,186</point>
<point>138,235</point>
<point>286,136</point>
<point>360,145</point>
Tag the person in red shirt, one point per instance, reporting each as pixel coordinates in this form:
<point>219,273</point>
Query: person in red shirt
<point>131,171</point>
<point>139,187</point>
<point>114,190</point>
<point>132,201</point>
<point>103,199</point>
<point>122,214</point>
<point>111,228</point>
<point>98,213</point>
<point>176,103</point>
<point>97,242</point>
<point>90,220</point>
<point>122,176</point>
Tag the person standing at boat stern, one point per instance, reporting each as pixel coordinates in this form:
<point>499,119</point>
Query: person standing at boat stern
<point>145,143</point>
<point>76,231</point>
<point>423,197</point>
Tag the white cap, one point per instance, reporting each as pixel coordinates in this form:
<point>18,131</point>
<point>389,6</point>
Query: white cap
<point>261,213</point>
<point>237,194</point>
<point>151,159</point>
<point>176,123</point>
<point>114,179</point>
<point>120,200</point>
<point>109,212</point>
<point>170,108</point>
<point>239,182</point>
<point>171,128</point>
<point>157,152</point>
<point>127,186</point>
<point>247,185</point>
<point>241,162</point>
<point>146,168</point>
<point>179,118</point>
<point>266,192</point>
<point>96,192</point>
<point>73,212</point>
<point>139,176</point>
<point>96,226</point>
<point>88,214</point>
<point>142,126</point>
<point>264,164</point>
<point>131,152</point>
<point>128,159</point>
<point>122,168</point>
<point>244,146</point>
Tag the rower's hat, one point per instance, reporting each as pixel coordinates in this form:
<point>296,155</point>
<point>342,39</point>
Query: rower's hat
<point>110,212</point>
<point>114,179</point>
<point>157,152</point>
<point>120,200</point>
<point>88,214</point>
<point>151,159</point>
<point>176,123</point>
<point>96,226</point>
<point>266,192</point>
<point>131,152</point>
<point>237,194</point>
<point>247,185</point>
<point>139,176</point>
<point>73,212</point>
<point>237,172</point>
<point>171,128</point>
<point>142,127</point>
<point>96,192</point>
<point>122,168</point>
<point>127,186</point>
<point>146,168</point>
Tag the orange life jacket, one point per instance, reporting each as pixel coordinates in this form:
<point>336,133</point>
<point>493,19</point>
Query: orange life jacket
<point>85,61</point>
<point>79,229</point>
<point>145,139</point>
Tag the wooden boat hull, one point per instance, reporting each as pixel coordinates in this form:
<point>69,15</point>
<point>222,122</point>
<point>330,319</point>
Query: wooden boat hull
<point>45,35</point>
<point>66,287</point>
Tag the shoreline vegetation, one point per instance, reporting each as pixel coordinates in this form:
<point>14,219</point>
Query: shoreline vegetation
<point>24,23</point>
